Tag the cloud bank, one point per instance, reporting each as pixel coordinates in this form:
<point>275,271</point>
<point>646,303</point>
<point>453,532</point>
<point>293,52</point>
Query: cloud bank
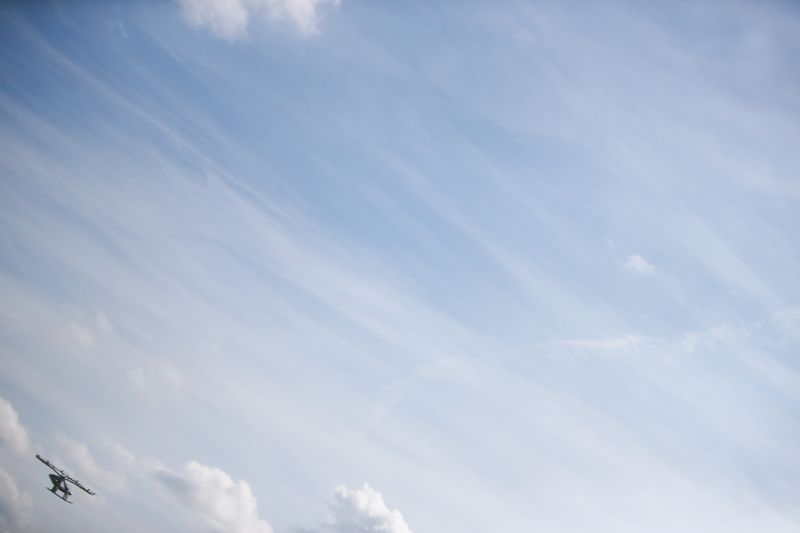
<point>224,505</point>
<point>229,19</point>
<point>12,433</point>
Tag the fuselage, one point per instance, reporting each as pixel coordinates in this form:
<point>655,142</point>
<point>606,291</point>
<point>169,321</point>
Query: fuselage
<point>59,484</point>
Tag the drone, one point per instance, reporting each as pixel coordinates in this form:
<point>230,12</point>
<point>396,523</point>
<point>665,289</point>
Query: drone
<point>60,480</point>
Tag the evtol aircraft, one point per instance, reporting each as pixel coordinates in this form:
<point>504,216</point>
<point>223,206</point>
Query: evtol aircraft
<point>60,481</point>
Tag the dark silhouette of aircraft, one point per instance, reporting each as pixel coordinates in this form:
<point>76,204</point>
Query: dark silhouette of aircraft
<point>60,480</point>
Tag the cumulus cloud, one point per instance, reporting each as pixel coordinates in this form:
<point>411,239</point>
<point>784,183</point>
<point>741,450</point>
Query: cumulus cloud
<point>222,504</point>
<point>640,265</point>
<point>225,505</point>
<point>229,19</point>
<point>12,433</point>
<point>15,505</point>
<point>362,511</point>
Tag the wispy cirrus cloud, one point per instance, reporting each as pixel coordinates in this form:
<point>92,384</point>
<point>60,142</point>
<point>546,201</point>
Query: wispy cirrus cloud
<point>611,406</point>
<point>282,237</point>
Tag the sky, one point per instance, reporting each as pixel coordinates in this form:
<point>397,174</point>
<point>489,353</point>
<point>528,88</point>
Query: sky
<point>318,266</point>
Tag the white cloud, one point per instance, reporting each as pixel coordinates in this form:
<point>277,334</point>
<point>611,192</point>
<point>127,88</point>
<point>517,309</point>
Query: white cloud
<point>229,19</point>
<point>12,433</point>
<point>15,505</point>
<point>363,511</point>
<point>224,505</point>
<point>640,265</point>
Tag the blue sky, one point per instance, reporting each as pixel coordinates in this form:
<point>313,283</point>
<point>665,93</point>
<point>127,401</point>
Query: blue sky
<point>344,267</point>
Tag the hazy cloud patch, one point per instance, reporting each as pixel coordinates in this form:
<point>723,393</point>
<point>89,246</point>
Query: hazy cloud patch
<point>12,432</point>
<point>15,505</point>
<point>82,464</point>
<point>158,376</point>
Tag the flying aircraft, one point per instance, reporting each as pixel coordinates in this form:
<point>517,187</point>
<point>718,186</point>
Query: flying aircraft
<point>60,480</point>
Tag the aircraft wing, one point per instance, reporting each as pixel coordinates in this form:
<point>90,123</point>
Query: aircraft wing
<point>78,484</point>
<point>51,465</point>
